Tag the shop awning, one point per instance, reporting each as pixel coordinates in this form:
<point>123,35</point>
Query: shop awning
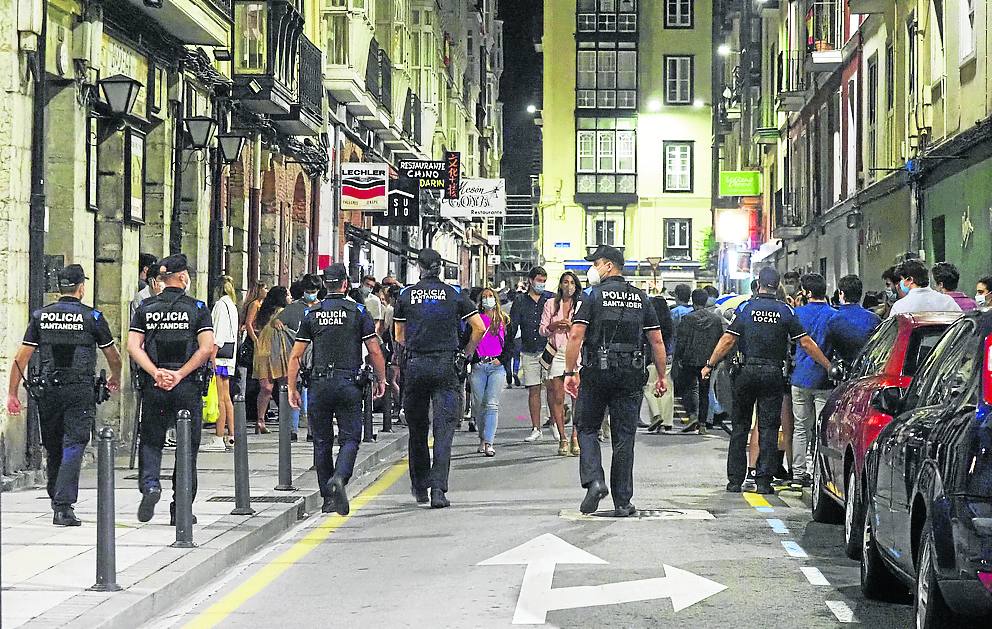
<point>766,250</point>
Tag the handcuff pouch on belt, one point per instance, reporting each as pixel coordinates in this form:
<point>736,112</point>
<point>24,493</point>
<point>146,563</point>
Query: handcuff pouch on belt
<point>460,362</point>
<point>101,392</point>
<point>202,377</point>
<point>36,383</point>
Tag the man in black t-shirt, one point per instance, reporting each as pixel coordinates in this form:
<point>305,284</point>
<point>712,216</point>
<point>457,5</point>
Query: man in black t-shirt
<point>171,338</point>
<point>335,330</point>
<point>610,328</point>
<point>66,335</point>
<point>428,317</point>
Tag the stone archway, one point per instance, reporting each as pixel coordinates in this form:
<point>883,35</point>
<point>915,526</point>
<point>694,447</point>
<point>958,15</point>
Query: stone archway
<point>300,220</point>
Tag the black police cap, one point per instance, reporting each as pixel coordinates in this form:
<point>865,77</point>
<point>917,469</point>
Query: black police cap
<point>176,263</point>
<point>429,258</point>
<point>71,276</point>
<point>607,252</point>
<point>335,273</point>
<point>768,277</point>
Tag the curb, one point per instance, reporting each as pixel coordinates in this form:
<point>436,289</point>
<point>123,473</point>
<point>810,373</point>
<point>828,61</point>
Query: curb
<point>180,573</point>
<point>26,479</point>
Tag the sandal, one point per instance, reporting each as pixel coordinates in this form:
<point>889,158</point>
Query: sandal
<point>482,447</point>
<point>489,450</point>
<point>563,448</point>
<point>575,450</point>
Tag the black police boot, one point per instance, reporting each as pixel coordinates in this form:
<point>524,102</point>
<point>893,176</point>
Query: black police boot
<point>734,488</point>
<point>764,487</point>
<point>172,514</point>
<point>594,493</point>
<point>625,511</point>
<point>336,488</point>
<point>149,498</point>
<point>65,516</point>
<point>328,506</point>
<point>438,499</point>
<point>420,495</point>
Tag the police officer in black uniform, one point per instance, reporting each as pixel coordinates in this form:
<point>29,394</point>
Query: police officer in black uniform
<point>427,318</point>
<point>336,328</point>
<point>764,326</point>
<point>171,339</point>
<point>66,333</point>
<point>610,328</point>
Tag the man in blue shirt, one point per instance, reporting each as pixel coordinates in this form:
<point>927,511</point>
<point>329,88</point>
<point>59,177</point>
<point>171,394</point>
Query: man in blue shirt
<point>810,383</point>
<point>850,329</point>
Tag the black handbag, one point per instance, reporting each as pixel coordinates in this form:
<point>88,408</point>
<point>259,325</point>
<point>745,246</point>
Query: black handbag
<point>226,350</point>
<point>246,355</point>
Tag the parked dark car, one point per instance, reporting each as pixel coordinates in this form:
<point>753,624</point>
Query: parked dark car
<point>849,424</point>
<point>929,510</point>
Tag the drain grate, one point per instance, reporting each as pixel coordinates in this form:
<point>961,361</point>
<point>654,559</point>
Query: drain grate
<point>286,499</point>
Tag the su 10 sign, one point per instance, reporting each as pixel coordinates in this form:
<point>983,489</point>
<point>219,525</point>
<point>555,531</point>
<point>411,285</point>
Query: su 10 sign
<point>740,183</point>
<point>477,198</point>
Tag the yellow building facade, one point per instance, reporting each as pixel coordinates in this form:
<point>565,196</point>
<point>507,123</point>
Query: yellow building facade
<point>627,136</point>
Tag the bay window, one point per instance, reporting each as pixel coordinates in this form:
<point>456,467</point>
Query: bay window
<point>606,156</point>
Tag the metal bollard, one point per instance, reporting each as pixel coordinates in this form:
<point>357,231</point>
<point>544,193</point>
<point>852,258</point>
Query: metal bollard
<point>387,408</point>
<point>285,441</point>
<point>368,430</point>
<point>106,551</point>
<point>184,481</point>
<point>242,488</point>
<point>135,427</point>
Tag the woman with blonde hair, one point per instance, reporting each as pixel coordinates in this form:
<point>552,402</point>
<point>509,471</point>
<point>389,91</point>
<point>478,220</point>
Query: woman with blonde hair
<point>488,371</point>
<point>225,318</point>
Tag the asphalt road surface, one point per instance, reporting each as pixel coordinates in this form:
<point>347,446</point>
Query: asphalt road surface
<point>512,549</point>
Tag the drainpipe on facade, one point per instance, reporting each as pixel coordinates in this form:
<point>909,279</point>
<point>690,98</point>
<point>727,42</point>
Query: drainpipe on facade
<point>916,213</point>
<point>215,264</point>
<point>176,224</point>
<point>314,223</point>
<point>254,208</point>
<point>36,216</point>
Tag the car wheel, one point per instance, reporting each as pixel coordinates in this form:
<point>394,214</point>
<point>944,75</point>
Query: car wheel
<point>825,510</point>
<point>877,580</point>
<point>929,607</point>
<point>854,514</point>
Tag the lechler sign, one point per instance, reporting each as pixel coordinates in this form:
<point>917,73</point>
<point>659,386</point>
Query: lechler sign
<point>740,183</point>
<point>364,187</point>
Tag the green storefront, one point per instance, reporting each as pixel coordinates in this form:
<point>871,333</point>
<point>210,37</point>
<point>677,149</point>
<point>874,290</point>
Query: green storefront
<point>885,229</point>
<point>957,221</point>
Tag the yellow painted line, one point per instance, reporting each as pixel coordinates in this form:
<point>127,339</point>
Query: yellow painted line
<point>756,500</point>
<point>223,608</point>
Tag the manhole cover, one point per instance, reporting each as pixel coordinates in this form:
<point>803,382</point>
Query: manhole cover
<point>642,514</point>
<point>286,499</point>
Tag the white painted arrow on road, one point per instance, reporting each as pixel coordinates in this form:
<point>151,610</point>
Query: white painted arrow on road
<point>537,597</point>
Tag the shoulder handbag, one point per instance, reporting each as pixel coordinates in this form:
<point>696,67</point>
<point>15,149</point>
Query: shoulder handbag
<point>226,351</point>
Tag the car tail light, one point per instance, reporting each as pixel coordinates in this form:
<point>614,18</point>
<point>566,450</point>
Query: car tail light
<point>874,424</point>
<point>987,372</point>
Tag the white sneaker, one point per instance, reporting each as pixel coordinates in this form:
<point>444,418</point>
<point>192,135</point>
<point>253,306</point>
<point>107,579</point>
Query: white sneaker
<point>534,435</point>
<point>213,444</point>
<point>170,438</point>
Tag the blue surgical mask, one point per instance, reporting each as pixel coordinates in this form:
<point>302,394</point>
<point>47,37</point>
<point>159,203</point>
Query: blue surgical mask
<point>903,287</point>
<point>540,286</point>
<point>488,303</point>
<point>309,297</point>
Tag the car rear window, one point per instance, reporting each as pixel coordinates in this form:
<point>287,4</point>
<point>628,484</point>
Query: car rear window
<point>921,343</point>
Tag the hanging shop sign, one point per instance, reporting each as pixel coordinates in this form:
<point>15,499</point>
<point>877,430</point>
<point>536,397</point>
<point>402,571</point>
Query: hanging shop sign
<point>740,183</point>
<point>477,198</point>
<point>363,187</point>
<point>453,161</point>
<point>404,204</point>
<point>429,174</point>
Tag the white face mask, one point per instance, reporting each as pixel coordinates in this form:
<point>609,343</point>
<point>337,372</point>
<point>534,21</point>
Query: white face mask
<point>488,303</point>
<point>593,277</point>
<point>568,291</point>
<point>980,300</point>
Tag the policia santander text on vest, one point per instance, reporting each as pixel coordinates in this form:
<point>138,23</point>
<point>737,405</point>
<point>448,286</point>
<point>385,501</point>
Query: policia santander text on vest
<point>336,328</point>
<point>171,338</point>
<point>613,324</point>
<point>66,334</point>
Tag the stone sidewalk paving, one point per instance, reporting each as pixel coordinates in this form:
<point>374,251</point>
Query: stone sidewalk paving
<point>46,570</point>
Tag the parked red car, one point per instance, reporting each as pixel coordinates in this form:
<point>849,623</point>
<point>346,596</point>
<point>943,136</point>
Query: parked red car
<point>849,424</point>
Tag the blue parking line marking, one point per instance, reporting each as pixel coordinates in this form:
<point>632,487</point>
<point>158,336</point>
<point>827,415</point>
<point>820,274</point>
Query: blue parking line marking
<point>794,550</point>
<point>778,526</point>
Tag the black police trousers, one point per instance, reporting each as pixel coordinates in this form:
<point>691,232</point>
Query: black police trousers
<point>621,391</point>
<point>762,385</point>
<point>67,413</point>
<point>158,414</point>
<point>431,386</point>
<point>335,396</point>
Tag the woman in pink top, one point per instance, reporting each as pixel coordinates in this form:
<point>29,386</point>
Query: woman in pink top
<point>488,374</point>
<point>555,325</point>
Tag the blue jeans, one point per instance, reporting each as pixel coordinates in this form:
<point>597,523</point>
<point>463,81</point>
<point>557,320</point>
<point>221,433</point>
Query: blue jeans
<point>488,382</point>
<point>296,411</point>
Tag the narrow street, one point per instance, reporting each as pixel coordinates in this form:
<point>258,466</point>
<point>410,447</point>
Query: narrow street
<point>395,564</point>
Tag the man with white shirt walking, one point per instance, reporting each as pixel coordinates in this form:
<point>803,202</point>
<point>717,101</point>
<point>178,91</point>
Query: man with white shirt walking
<point>914,283</point>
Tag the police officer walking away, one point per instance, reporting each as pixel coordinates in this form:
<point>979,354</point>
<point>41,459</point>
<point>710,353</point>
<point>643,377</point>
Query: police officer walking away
<point>764,326</point>
<point>336,328</point>
<point>171,339</point>
<point>610,328</point>
<point>66,333</point>
<point>427,317</point>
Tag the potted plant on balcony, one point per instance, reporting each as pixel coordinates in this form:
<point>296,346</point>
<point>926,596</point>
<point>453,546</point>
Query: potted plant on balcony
<point>824,31</point>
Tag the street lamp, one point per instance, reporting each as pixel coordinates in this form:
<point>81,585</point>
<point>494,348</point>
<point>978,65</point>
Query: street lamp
<point>230,147</point>
<point>201,130</point>
<point>531,109</point>
<point>120,92</point>
<point>654,105</point>
<point>723,50</point>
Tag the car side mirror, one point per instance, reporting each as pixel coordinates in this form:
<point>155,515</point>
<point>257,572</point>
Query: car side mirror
<point>888,400</point>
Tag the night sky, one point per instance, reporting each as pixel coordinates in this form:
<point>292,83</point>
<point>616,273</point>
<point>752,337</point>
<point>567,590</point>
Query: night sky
<point>520,86</point>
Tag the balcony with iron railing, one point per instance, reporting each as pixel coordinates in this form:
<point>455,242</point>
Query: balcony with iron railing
<point>791,81</point>
<point>385,81</point>
<point>306,116</point>
<point>825,34</point>
<point>266,52</point>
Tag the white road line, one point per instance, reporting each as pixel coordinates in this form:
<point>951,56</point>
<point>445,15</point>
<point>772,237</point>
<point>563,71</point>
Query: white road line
<point>778,526</point>
<point>814,576</point>
<point>794,550</point>
<point>842,611</point>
